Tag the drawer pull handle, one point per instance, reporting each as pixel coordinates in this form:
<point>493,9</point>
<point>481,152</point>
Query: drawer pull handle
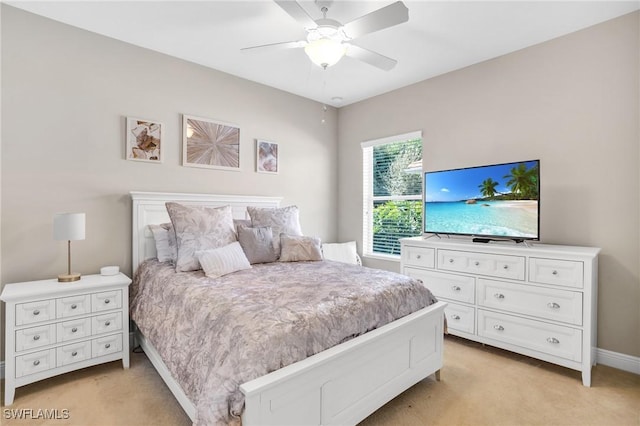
<point>107,323</point>
<point>74,353</point>
<point>74,306</point>
<point>553,340</point>
<point>553,305</point>
<point>477,263</point>
<point>498,327</point>
<point>107,346</point>
<point>455,288</point>
<point>36,312</point>
<point>554,273</point>
<point>36,362</point>
<point>74,329</point>
<point>505,267</point>
<point>418,256</point>
<point>455,317</point>
<point>499,296</point>
<point>450,260</point>
<point>106,301</point>
<point>36,337</point>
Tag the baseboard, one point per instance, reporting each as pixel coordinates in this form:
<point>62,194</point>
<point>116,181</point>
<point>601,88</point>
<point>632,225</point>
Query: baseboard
<point>610,359</point>
<point>617,360</point>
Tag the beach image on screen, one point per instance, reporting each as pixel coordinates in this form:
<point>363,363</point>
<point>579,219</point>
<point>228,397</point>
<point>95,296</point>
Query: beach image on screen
<point>498,200</point>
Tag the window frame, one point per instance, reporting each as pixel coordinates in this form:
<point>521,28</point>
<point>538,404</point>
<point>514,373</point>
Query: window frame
<point>369,199</point>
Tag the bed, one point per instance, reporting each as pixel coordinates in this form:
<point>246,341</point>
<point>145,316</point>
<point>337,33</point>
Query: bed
<point>340,385</point>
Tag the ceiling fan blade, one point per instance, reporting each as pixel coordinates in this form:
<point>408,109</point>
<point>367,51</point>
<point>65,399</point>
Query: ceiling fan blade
<point>388,16</point>
<point>296,11</point>
<point>370,57</point>
<point>275,46</point>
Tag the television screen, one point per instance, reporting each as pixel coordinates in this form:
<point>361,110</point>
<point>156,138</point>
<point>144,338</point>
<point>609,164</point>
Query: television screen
<point>493,201</point>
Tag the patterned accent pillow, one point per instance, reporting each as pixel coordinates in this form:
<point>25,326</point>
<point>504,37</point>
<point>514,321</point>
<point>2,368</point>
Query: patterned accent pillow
<point>199,228</point>
<point>223,260</point>
<point>283,220</point>
<point>165,240</point>
<point>298,248</point>
<point>257,244</point>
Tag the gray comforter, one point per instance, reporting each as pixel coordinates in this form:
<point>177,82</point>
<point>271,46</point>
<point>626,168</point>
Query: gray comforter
<point>215,334</point>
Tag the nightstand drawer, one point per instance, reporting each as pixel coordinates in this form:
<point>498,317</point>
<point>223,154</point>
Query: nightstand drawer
<point>73,305</point>
<point>33,312</point>
<point>106,345</point>
<point>106,300</point>
<point>35,362</point>
<point>566,273</point>
<point>75,352</point>
<point>74,329</point>
<point>106,323</point>
<point>35,337</point>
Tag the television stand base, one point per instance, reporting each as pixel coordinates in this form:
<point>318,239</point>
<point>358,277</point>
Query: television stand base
<point>488,240</point>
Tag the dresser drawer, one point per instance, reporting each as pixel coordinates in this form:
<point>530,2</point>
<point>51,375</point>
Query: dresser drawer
<point>73,305</point>
<point>73,329</point>
<point>493,265</point>
<point>74,352</point>
<point>566,273</point>
<point>546,303</point>
<point>106,323</point>
<point>35,337</point>
<point>448,286</point>
<point>418,256</point>
<point>556,340</point>
<point>460,317</point>
<point>106,300</point>
<point>106,345</point>
<point>35,362</point>
<point>33,312</point>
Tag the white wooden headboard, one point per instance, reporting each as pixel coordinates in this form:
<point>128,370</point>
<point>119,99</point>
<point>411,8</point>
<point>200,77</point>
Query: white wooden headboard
<point>149,209</point>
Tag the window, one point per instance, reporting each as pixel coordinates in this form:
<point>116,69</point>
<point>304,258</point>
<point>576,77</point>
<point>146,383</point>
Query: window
<point>392,192</point>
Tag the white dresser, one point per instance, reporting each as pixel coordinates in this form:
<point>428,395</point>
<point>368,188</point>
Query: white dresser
<point>538,300</point>
<point>53,328</point>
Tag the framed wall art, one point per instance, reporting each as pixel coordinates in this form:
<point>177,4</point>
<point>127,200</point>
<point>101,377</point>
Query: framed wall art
<point>267,157</point>
<point>210,144</point>
<point>143,140</point>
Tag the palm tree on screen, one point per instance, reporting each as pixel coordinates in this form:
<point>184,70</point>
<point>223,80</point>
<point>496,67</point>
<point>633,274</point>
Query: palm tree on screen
<point>488,187</point>
<point>523,182</point>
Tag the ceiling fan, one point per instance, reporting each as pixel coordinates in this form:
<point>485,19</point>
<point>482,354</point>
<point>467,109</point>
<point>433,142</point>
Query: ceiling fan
<point>328,40</point>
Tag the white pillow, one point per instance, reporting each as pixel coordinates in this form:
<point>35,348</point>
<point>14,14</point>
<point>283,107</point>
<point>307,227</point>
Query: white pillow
<point>223,260</point>
<point>165,239</point>
<point>341,252</point>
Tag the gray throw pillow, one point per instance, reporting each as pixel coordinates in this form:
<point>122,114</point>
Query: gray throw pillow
<point>257,244</point>
<point>284,220</point>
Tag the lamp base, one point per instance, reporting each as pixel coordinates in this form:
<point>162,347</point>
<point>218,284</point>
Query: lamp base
<point>67,278</point>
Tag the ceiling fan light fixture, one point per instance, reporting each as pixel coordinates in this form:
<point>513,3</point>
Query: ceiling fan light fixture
<point>325,52</point>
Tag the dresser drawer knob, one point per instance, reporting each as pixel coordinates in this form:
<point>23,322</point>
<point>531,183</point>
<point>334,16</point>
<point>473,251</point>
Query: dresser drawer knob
<point>455,317</point>
<point>36,337</point>
<point>505,267</point>
<point>418,256</point>
<point>455,288</point>
<point>36,312</point>
<point>74,329</point>
<point>450,260</point>
<point>553,340</point>
<point>74,353</point>
<point>554,272</point>
<point>476,263</point>
<point>106,301</point>
<point>36,362</point>
<point>499,296</point>
<point>107,346</point>
<point>498,327</point>
<point>553,305</point>
<point>107,323</point>
<point>74,306</point>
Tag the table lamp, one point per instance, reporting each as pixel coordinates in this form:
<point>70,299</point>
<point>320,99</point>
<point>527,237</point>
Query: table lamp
<point>68,226</point>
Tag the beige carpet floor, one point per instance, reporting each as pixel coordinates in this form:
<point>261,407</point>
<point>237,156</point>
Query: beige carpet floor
<point>480,386</point>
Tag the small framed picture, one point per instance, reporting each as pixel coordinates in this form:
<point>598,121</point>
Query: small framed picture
<point>267,157</point>
<point>210,144</point>
<point>144,140</point>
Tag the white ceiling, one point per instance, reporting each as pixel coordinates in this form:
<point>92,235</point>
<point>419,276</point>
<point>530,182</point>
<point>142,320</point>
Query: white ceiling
<point>441,36</point>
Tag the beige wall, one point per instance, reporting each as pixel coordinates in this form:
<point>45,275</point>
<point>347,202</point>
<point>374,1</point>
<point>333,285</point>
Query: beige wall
<point>571,102</point>
<point>65,95</point>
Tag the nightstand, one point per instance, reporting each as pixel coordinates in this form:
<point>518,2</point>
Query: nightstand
<point>53,328</point>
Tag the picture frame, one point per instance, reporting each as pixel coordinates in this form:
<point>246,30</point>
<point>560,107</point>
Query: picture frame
<point>267,160</point>
<point>209,143</point>
<point>143,140</point>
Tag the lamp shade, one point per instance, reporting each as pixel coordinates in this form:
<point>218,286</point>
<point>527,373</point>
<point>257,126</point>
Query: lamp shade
<point>325,52</point>
<point>68,226</point>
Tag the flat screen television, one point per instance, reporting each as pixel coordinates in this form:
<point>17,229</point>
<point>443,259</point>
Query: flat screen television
<point>498,201</point>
